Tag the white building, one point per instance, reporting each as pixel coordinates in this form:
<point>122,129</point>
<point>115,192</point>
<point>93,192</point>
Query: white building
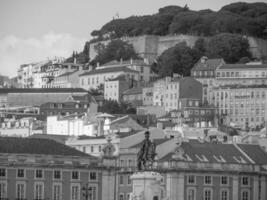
<point>95,78</point>
<point>114,88</point>
<point>140,65</point>
<point>72,125</point>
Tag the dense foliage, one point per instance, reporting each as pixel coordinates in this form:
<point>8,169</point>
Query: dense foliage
<point>230,47</point>
<point>115,50</point>
<point>178,59</point>
<point>242,18</point>
<point>181,58</point>
<point>113,107</point>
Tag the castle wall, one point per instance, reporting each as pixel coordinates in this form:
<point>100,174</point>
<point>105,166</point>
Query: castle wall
<point>151,46</point>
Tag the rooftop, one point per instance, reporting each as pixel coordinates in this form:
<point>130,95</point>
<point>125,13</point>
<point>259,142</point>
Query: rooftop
<point>243,66</point>
<point>108,70</point>
<point>126,62</point>
<point>41,90</point>
<point>136,90</point>
<point>67,73</point>
<point>202,151</point>
<point>208,64</point>
<point>15,145</point>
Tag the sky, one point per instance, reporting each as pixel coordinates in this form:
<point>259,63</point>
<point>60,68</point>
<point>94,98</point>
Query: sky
<point>34,30</point>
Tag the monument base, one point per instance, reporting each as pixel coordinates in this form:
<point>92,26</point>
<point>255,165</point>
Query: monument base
<point>147,186</point>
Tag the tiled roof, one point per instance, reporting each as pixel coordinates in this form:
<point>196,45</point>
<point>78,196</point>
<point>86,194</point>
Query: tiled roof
<point>255,152</point>
<point>125,62</point>
<point>212,152</point>
<point>108,70</point>
<point>209,64</point>
<point>67,74</point>
<point>41,90</point>
<point>15,145</point>
<point>119,78</point>
<point>243,66</point>
<point>156,141</point>
<point>57,138</point>
<point>137,90</point>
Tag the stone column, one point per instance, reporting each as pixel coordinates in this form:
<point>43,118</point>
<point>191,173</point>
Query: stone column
<point>256,187</point>
<point>235,187</point>
<point>180,185</point>
<point>263,194</point>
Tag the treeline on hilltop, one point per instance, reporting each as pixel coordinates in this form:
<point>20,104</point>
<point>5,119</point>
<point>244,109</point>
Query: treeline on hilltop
<point>240,18</point>
<point>236,18</point>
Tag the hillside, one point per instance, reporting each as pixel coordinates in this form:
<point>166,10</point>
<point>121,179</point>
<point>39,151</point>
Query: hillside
<point>241,18</point>
<point>248,19</point>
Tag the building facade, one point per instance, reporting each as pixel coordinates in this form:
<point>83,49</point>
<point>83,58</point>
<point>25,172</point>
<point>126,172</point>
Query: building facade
<point>114,88</point>
<point>94,78</point>
<point>205,72</point>
<point>50,170</point>
<point>242,106</point>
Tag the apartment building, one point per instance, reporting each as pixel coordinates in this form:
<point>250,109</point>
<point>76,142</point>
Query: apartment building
<point>242,74</point>
<point>242,105</point>
<point>94,78</point>
<point>68,79</point>
<point>114,88</point>
<point>205,72</point>
<point>180,88</point>
<point>140,65</point>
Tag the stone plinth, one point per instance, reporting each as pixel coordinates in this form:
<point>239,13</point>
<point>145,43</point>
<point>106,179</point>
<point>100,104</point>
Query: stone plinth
<point>147,186</point>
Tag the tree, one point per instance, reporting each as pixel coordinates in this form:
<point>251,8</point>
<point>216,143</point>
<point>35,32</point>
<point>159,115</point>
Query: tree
<point>230,47</point>
<point>113,107</point>
<point>178,59</point>
<point>115,50</point>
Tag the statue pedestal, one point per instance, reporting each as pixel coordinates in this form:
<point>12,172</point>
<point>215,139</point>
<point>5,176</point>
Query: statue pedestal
<point>147,186</point>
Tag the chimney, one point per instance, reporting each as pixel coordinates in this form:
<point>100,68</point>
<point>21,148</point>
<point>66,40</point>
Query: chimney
<point>97,64</point>
<point>121,61</point>
<point>131,61</point>
<point>146,61</point>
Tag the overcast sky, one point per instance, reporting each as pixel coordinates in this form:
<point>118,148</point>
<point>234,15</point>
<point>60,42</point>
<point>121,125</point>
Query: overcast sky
<point>33,30</point>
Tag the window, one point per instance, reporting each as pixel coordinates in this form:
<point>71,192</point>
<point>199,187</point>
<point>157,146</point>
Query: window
<point>20,190</point>
<point>207,180</point>
<point>92,149</point>
<point>224,180</point>
<point>129,180</point>
<point>121,196</point>
<point>121,179</point>
<point>3,190</point>
<point>244,195</point>
<point>245,180</point>
<point>224,194</point>
<point>99,148</point>
<point>2,172</point>
<point>39,173</point>
<point>92,192</point>
<point>57,191</point>
<point>57,174</point>
<point>92,175</point>
<point>75,192</point>
<point>75,175</point>
<point>207,194</point>
<point>191,179</point>
<point>38,191</point>
<point>20,173</point>
<point>191,194</point>
<point>190,103</point>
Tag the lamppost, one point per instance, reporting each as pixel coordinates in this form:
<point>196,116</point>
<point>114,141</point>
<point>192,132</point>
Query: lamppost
<point>87,192</point>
